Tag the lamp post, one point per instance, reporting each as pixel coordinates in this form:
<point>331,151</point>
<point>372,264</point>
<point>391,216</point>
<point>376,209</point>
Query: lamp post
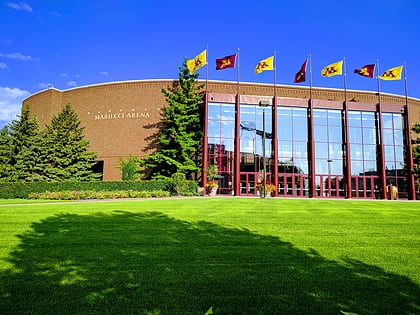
<point>264,104</point>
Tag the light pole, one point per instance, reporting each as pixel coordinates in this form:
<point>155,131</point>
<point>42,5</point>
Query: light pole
<point>264,104</point>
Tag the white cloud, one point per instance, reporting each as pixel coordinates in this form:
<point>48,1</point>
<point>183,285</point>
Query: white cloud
<point>104,73</point>
<point>21,6</point>
<point>64,74</point>
<point>3,65</point>
<point>17,56</point>
<point>72,83</point>
<point>11,102</point>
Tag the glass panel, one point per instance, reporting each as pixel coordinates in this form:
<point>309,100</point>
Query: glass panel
<point>284,115</point>
<point>398,137</point>
<point>227,144</point>
<point>369,152</point>
<point>213,140</point>
<point>334,134</point>
<point>334,117</point>
<point>320,133</point>
<point>300,116</point>
<point>399,153</point>
<point>285,132</point>
<point>247,113</point>
<point>370,167</point>
<point>259,119</point>
<point>213,111</point>
<point>389,153</point>
<point>300,149</point>
<point>227,112</point>
<point>356,167</point>
<point>336,167</point>
<point>228,128</point>
<point>368,119</point>
<point>387,120</point>
<point>301,166</point>
<point>321,150</point>
<point>354,118</point>
<point>397,121</point>
<point>336,151</point>
<point>300,132</point>
<point>356,151</point>
<point>248,145</point>
<point>213,128</point>
<point>321,166</point>
<point>369,136</point>
<point>285,149</point>
<point>388,136</point>
<point>355,135</point>
<point>320,117</point>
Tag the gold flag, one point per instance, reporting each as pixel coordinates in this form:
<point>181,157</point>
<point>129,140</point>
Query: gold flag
<point>392,74</point>
<point>265,64</point>
<point>194,64</point>
<point>333,69</point>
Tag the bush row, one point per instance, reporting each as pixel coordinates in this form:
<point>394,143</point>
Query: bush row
<point>22,190</point>
<point>92,194</point>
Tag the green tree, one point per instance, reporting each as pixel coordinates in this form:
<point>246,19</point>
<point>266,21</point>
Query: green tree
<point>130,169</point>
<point>65,150</point>
<point>26,146</point>
<point>181,130</point>
<point>5,153</point>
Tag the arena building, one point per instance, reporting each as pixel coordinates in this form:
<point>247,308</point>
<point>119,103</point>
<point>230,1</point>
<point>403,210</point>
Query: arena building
<point>308,142</point>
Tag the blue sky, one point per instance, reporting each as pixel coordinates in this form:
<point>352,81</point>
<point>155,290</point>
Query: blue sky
<point>80,42</point>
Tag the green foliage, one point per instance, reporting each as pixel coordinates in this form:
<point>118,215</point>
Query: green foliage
<point>130,169</point>
<point>416,156</point>
<point>180,183</point>
<point>65,150</point>
<point>93,194</point>
<point>181,130</point>
<point>23,189</point>
<point>6,153</point>
<point>26,163</point>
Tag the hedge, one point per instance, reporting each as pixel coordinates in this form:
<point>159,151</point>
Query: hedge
<point>22,190</point>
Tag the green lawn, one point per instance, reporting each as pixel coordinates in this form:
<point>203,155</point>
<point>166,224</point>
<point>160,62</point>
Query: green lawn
<point>236,255</point>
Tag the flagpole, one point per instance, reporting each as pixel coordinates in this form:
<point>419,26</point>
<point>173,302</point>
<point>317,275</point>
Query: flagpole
<point>382,170</point>
<point>310,76</point>
<point>377,78</point>
<point>237,139</point>
<point>345,79</point>
<point>410,163</point>
<point>274,143</point>
<point>237,72</point>
<point>346,138</point>
<point>207,68</point>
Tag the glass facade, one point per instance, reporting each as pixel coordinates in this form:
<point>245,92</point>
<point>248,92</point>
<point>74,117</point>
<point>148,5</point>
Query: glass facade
<point>332,130</point>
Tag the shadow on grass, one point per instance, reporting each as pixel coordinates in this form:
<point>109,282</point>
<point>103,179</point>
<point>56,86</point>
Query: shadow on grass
<point>127,263</point>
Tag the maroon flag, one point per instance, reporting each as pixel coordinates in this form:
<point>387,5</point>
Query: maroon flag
<point>300,76</point>
<point>225,62</point>
<point>366,71</point>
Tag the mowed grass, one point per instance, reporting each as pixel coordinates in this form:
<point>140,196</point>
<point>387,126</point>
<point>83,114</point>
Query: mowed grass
<point>236,255</point>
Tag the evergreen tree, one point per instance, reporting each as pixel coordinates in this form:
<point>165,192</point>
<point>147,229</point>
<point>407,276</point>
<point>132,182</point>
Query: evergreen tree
<point>181,130</point>
<point>65,151</point>
<point>25,140</point>
<point>5,153</point>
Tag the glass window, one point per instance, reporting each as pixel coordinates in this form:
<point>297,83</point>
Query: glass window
<point>355,135</point>
<point>334,117</point>
<point>369,152</point>
<point>300,116</point>
<point>368,119</point>
<point>398,137</point>
<point>321,150</point>
<point>247,113</point>
<point>227,144</point>
<point>301,166</point>
<point>285,132</point>
<point>354,119</point>
<point>285,149</point>
<point>213,111</point>
<point>300,132</point>
<point>300,149</point>
<point>213,128</point>
<point>227,112</point>
<point>321,166</point>
<point>387,120</point>
<point>397,118</point>
<point>389,153</point>
<point>399,153</point>
<point>370,167</point>
<point>228,128</point>
<point>247,145</point>
<point>320,117</point>
<point>284,115</point>
<point>356,151</point>
<point>369,136</point>
<point>335,151</point>
<point>320,133</point>
<point>356,167</point>
<point>334,134</point>
<point>388,136</point>
<point>336,167</point>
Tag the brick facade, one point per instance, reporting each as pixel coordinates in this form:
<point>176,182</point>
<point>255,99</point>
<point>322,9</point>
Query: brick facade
<point>120,117</point>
